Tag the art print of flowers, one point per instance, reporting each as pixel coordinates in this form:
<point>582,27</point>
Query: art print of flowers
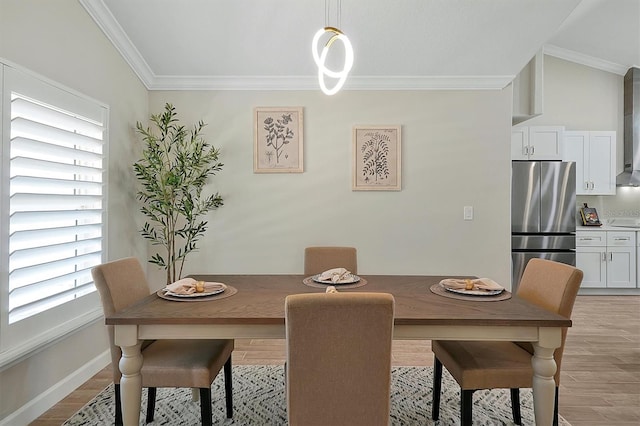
<point>278,140</point>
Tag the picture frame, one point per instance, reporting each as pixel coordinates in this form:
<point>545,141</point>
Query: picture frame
<point>377,158</point>
<point>278,140</point>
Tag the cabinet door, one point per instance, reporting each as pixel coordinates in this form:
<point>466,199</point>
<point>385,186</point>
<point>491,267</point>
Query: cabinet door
<point>575,149</point>
<point>545,142</point>
<point>602,163</point>
<point>592,262</point>
<point>520,143</point>
<point>621,267</point>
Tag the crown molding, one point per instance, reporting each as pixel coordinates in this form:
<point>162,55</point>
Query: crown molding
<point>582,59</point>
<point>105,20</point>
<point>311,83</point>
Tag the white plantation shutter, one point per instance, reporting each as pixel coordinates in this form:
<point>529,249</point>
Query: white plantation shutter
<point>52,208</point>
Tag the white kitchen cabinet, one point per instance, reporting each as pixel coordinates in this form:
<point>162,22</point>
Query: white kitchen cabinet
<point>607,258</point>
<point>621,269</point>
<point>592,262</point>
<point>595,156</point>
<point>537,143</point>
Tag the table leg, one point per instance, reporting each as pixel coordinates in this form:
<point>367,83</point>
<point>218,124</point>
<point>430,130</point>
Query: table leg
<point>544,368</point>
<point>130,364</point>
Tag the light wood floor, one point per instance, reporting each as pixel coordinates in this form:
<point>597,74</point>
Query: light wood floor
<point>600,379</point>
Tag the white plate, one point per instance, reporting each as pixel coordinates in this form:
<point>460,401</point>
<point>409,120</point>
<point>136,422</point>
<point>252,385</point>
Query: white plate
<point>354,279</point>
<point>473,292</point>
<point>203,294</point>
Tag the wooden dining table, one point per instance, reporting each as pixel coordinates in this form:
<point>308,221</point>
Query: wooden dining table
<point>256,311</point>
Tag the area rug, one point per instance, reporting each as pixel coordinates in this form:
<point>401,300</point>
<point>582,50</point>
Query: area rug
<point>259,399</point>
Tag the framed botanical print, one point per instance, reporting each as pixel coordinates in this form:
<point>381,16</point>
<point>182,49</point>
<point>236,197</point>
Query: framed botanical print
<point>278,140</point>
<point>377,158</point>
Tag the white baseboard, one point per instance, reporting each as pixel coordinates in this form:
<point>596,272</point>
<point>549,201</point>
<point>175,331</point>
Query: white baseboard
<point>40,404</point>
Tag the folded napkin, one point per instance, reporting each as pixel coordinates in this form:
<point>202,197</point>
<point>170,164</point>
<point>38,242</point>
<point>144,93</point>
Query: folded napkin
<point>478,284</point>
<point>190,286</point>
<point>336,275</point>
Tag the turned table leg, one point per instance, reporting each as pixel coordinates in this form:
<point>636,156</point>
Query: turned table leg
<point>131,380</point>
<point>544,368</point>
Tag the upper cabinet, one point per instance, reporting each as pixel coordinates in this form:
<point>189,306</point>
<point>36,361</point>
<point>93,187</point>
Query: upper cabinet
<point>527,91</point>
<point>595,157</point>
<point>537,143</point>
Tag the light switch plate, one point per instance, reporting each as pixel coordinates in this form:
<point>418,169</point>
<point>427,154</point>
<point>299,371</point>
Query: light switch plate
<point>468,212</point>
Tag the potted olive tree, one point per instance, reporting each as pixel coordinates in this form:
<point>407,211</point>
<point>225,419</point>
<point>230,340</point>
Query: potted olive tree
<point>173,171</point>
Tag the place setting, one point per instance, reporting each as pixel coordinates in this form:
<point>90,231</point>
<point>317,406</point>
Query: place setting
<point>335,277</point>
<point>480,289</point>
<point>191,290</point>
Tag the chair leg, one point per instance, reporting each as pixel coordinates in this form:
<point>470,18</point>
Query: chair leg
<point>466,407</point>
<point>437,386</point>
<point>116,392</point>
<point>515,406</point>
<point>555,409</point>
<point>205,406</point>
<point>228,388</point>
<point>151,403</point>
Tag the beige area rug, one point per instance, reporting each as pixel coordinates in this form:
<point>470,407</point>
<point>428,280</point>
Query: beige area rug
<point>258,393</point>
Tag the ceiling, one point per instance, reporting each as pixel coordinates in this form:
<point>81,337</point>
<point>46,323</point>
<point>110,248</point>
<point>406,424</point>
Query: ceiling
<point>407,44</point>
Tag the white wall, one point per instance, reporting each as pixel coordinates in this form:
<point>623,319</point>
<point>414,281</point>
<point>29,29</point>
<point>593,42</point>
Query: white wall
<point>61,42</point>
<point>455,149</point>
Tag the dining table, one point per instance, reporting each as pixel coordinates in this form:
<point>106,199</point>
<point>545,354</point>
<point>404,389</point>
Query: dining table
<point>255,310</point>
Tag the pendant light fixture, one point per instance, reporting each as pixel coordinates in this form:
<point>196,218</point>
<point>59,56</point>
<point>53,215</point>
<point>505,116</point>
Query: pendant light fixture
<point>321,57</point>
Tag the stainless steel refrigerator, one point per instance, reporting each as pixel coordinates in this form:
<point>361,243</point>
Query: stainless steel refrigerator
<point>543,213</point>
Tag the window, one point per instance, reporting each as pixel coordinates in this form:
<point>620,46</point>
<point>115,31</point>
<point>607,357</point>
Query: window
<point>53,210</point>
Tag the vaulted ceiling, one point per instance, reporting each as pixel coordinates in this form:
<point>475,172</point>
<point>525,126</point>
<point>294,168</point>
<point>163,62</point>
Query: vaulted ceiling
<point>401,44</point>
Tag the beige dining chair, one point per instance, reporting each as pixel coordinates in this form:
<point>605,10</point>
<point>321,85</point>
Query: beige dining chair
<point>166,363</point>
<point>320,259</point>
<point>338,369</point>
<point>489,365</point>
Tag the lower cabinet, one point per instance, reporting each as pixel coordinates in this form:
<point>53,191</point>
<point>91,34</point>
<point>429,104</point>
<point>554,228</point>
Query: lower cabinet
<point>607,258</point>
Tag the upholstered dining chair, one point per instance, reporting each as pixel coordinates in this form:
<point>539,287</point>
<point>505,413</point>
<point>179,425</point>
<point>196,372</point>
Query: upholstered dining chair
<point>320,259</point>
<point>338,369</point>
<point>488,365</point>
<point>167,363</point>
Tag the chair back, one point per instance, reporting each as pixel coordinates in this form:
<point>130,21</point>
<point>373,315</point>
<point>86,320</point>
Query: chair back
<point>120,283</point>
<point>338,369</point>
<point>320,259</point>
<point>554,287</point>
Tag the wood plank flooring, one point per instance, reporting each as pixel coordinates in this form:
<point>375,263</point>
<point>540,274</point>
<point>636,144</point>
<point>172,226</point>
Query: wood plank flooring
<point>600,380</point>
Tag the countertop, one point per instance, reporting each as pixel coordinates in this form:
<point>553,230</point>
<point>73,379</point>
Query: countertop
<point>606,227</point>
